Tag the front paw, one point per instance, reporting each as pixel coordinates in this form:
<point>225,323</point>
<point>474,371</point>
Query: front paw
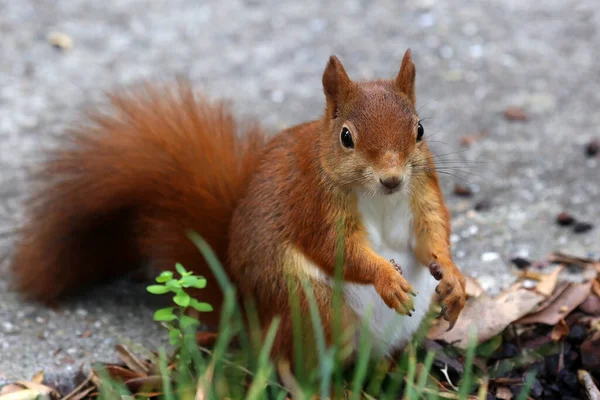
<point>450,291</point>
<point>395,291</point>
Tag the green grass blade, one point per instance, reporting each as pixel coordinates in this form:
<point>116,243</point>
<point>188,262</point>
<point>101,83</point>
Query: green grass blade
<point>466,383</point>
<point>530,378</point>
<point>425,371</point>
<point>211,259</point>
<point>164,372</point>
<point>363,357</point>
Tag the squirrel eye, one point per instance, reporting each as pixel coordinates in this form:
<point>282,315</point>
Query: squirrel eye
<point>420,132</point>
<point>346,137</point>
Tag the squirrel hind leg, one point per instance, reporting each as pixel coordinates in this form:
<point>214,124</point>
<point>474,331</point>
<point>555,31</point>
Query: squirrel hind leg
<point>56,258</point>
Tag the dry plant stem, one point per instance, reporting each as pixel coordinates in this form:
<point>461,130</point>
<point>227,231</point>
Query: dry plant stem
<point>591,390</point>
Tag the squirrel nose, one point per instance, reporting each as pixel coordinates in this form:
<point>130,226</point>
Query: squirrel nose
<point>391,182</point>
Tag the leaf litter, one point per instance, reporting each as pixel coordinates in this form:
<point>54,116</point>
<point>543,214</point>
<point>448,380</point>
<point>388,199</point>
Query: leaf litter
<point>551,325</point>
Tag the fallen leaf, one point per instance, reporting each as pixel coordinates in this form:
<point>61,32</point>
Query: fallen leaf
<point>531,274</point>
<point>123,374</point>
<point>596,286</point>
<point>86,334</point>
<point>504,393</point>
<point>572,297</point>
<point>559,331</point>
<point>488,316</point>
<point>562,258</point>
<point>558,290</point>
<point>131,360</point>
<point>38,377</point>
<point>145,383</point>
<point>591,305</point>
<point>548,283</point>
<point>82,394</point>
<point>25,394</point>
<point>513,113</point>
<point>80,391</point>
<point>10,388</point>
<point>42,390</point>
<point>590,353</point>
<point>473,288</point>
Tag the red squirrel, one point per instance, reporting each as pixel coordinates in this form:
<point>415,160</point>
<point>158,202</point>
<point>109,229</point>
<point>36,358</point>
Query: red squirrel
<point>166,161</point>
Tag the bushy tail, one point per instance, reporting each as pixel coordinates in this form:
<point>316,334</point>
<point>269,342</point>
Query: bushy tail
<point>130,185</point>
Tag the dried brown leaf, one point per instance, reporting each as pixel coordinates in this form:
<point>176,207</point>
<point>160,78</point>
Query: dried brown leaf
<point>124,374</point>
<point>24,394</point>
<point>82,394</point>
<point>562,258</point>
<point>76,393</point>
<point>473,288</point>
<point>38,377</point>
<point>559,331</point>
<point>548,283</point>
<point>596,286</point>
<point>132,362</point>
<point>590,353</point>
<point>145,384</point>
<point>43,390</point>
<point>573,296</point>
<point>591,305</point>
<point>10,388</point>
<point>489,316</point>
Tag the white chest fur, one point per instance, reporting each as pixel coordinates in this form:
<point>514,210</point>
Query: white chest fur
<point>388,221</point>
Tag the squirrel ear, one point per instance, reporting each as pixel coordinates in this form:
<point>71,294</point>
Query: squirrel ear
<point>335,84</point>
<point>405,81</point>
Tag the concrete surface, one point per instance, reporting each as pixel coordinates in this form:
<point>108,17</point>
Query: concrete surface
<point>472,60</point>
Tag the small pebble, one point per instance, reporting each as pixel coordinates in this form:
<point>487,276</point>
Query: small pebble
<point>8,327</point>
<point>582,227</point>
<point>529,284</point>
<point>60,41</point>
<point>81,312</point>
<point>515,114</point>
<point>490,256</point>
<point>520,262</point>
<point>592,148</point>
<point>462,190</point>
<point>483,205</point>
<point>564,219</point>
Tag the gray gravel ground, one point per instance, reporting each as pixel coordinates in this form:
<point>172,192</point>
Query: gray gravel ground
<point>473,60</point>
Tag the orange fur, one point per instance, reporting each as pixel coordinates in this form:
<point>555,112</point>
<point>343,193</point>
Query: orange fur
<point>134,182</point>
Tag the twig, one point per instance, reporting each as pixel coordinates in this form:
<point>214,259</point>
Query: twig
<point>240,368</point>
<point>588,384</point>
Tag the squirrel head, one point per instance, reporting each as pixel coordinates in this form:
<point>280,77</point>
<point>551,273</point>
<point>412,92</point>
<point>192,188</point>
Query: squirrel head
<point>372,137</point>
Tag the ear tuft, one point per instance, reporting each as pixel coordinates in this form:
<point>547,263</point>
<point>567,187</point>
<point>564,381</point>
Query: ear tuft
<point>336,84</point>
<point>405,81</point>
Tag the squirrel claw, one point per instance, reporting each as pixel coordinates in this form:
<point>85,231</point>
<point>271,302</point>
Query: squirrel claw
<point>451,325</point>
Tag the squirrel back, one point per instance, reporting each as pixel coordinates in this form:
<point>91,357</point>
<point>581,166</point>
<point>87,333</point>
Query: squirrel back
<point>129,185</point>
